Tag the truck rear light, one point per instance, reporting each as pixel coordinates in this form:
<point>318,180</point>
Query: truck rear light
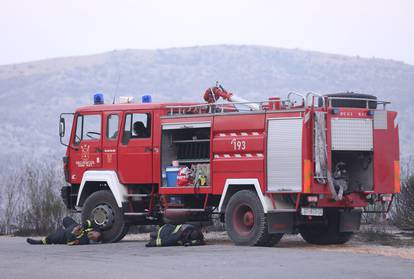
<point>312,198</point>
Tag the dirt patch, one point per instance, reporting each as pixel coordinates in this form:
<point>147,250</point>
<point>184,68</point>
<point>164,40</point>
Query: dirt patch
<point>385,235</point>
<point>394,239</point>
<point>357,245</point>
<point>404,253</point>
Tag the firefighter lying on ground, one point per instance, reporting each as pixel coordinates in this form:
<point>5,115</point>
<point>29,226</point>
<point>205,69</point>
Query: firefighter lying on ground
<point>176,235</point>
<point>72,233</point>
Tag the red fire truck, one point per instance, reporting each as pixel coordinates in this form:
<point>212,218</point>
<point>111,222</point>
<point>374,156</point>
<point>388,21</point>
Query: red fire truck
<point>307,164</point>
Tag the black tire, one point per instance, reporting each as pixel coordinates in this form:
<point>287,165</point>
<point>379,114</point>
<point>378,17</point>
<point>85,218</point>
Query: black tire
<point>325,234</point>
<point>102,209</point>
<point>353,103</point>
<point>245,221</point>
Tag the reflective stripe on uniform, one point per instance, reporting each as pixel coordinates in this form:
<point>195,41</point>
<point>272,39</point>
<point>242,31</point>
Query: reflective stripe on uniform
<point>44,241</point>
<point>89,226</point>
<point>158,241</point>
<point>80,235</point>
<point>177,228</point>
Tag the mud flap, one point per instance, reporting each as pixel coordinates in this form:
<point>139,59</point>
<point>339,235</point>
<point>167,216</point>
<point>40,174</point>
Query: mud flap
<point>349,221</point>
<point>281,222</point>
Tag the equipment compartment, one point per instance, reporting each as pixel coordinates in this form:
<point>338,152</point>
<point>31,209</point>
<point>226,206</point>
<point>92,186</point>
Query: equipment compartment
<point>355,168</point>
<point>189,146</point>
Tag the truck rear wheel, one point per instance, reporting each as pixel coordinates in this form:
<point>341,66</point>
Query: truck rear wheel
<point>246,222</point>
<point>102,209</point>
<point>324,234</point>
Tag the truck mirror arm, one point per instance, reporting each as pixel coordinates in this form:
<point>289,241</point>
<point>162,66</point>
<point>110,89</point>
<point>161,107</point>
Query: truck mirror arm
<point>68,145</point>
<point>62,128</point>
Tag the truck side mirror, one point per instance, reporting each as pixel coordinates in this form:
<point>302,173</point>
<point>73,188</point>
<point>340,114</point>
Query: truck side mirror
<point>62,127</point>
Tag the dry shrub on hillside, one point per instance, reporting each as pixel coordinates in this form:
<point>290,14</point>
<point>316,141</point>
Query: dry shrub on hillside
<point>31,200</point>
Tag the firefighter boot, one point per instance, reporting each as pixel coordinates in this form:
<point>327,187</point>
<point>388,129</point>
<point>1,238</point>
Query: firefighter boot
<point>33,241</point>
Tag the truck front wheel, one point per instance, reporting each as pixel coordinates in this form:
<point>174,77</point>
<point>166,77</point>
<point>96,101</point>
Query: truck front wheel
<point>102,209</point>
<point>246,222</point>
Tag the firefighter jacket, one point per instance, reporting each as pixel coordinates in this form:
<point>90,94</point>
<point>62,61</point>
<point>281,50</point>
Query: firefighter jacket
<point>65,235</point>
<point>176,235</point>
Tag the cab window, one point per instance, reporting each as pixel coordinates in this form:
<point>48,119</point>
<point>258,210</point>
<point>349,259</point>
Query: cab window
<point>88,127</point>
<point>112,126</point>
<point>137,125</point>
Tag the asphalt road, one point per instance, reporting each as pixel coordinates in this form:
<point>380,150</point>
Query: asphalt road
<point>131,259</point>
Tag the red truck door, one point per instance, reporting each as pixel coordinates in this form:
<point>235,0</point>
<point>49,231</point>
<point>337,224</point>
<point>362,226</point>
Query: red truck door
<point>112,123</point>
<point>87,143</point>
<point>135,152</point>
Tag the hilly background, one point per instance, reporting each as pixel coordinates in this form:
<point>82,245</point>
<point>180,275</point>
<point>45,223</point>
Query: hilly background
<point>32,95</point>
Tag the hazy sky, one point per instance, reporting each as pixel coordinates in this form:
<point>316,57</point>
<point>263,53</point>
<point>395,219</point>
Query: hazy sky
<point>38,29</point>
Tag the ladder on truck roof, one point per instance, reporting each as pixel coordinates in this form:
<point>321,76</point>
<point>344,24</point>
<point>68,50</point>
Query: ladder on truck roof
<point>310,100</point>
<point>232,107</point>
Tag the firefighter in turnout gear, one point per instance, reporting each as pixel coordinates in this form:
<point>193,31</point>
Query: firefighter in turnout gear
<point>72,233</point>
<point>176,235</point>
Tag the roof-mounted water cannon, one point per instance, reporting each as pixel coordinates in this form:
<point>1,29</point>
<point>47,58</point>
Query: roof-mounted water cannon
<point>213,94</point>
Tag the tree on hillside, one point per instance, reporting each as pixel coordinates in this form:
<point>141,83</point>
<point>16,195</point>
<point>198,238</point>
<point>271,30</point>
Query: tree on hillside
<point>404,205</point>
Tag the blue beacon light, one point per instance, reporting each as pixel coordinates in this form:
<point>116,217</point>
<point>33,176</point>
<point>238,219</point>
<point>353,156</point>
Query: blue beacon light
<point>98,99</point>
<point>146,99</point>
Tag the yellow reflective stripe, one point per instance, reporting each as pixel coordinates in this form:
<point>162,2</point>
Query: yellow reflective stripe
<point>177,228</point>
<point>397,177</point>
<point>89,223</point>
<point>71,242</point>
<point>88,230</point>
<point>307,176</point>
<point>44,241</point>
<point>158,241</point>
<point>80,235</point>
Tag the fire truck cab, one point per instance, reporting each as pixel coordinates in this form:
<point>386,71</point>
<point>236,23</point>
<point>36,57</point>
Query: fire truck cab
<point>266,168</point>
